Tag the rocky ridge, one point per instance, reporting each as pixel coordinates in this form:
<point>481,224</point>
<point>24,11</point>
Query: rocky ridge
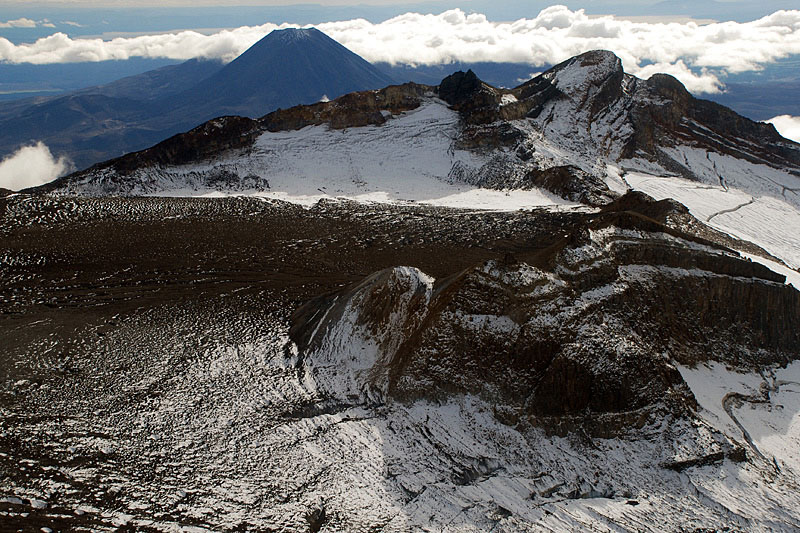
<point>582,335</point>
<point>572,131</point>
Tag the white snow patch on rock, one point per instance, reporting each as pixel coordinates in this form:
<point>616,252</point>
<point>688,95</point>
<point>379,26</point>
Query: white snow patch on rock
<point>751,214</point>
<point>408,159</point>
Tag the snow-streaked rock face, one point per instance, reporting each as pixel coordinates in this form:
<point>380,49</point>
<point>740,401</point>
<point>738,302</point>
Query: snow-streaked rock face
<point>585,113</point>
<point>590,325</point>
<point>480,373</point>
<point>354,344</point>
<point>410,158</point>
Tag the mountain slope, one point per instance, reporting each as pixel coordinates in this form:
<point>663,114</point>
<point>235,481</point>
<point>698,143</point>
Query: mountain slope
<point>608,340</point>
<point>159,83</point>
<point>286,68</point>
<point>585,113</point>
<point>602,360</point>
<point>96,123</point>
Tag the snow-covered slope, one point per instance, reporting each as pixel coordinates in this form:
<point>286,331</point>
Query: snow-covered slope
<point>770,222</point>
<point>409,158</point>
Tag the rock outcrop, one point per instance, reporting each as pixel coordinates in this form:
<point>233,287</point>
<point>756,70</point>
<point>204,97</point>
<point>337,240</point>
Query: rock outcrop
<point>582,335</point>
<point>350,111</point>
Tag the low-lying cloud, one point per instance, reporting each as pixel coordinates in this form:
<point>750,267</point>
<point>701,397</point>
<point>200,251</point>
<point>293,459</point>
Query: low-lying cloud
<point>30,166</point>
<point>698,54</point>
<point>26,23</point>
<point>787,125</point>
<point>18,23</point>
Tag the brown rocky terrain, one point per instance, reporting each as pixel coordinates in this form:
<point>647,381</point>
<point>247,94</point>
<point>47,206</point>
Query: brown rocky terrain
<point>578,336</point>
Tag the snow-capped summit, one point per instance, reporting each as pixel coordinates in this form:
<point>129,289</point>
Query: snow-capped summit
<point>576,75</point>
<point>291,35</point>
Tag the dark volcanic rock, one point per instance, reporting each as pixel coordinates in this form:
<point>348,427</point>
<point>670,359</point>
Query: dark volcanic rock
<point>459,87</point>
<point>571,183</point>
<point>351,110</point>
<point>208,139</point>
<point>477,102</point>
<point>664,113</point>
<point>203,142</point>
<point>580,335</point>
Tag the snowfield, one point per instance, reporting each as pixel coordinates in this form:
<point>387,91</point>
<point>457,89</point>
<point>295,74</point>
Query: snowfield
<point>763,411</point>
<point>767,221</point>
<point>408,159</point>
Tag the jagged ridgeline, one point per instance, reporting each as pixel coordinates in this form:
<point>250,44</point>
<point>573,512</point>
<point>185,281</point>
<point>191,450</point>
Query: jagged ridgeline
<point>560,132</point>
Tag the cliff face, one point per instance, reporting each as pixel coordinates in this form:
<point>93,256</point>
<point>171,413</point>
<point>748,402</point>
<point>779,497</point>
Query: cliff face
<point>582,335</point>
<point>664,114</point>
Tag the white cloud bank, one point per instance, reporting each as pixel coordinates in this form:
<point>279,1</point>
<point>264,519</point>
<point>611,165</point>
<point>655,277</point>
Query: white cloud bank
<point>699,55</point>
<point>787,125</point>
<point>30,166</point>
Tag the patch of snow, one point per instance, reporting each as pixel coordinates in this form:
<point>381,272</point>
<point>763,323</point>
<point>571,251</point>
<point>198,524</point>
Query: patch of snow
<point>614,179</point>
<point>408,159</point>
<point>766,221</point>
<point>38,504</point>
<point>757,180</point>
<point>768,408</point>
<point>508,99</point>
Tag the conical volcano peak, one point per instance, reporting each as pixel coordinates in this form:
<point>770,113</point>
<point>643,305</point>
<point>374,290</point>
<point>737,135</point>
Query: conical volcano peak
<point>287,40</point>
<point>293,35</point>
<point>286,67</point>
